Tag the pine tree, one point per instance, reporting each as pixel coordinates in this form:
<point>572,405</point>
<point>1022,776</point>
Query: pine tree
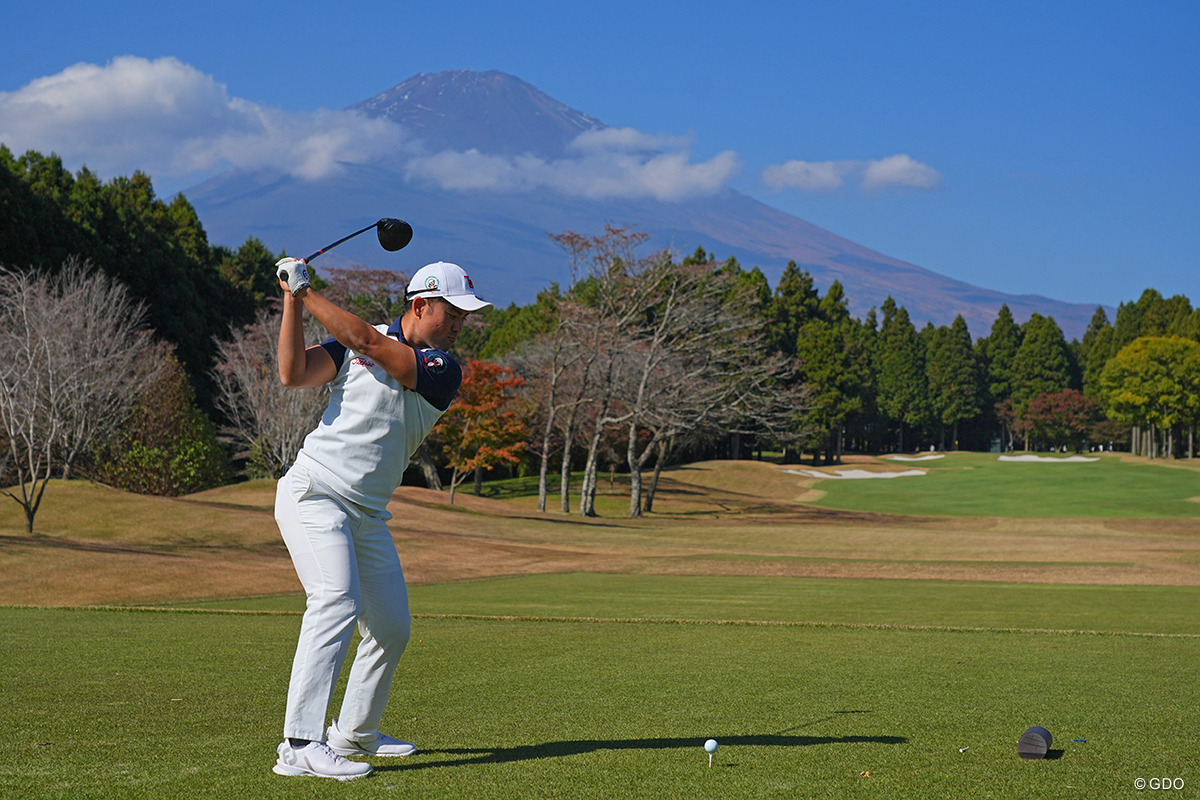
<point>953,374</point>
<point>1042,363</point>
<point>998,351</point>
<point>903,394</point>
<point>795,303</point>
<point>1095,349</point>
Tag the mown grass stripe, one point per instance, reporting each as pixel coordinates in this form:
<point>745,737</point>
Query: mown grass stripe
<point>750,623</point>
<point>158,609</point>
<point>803,624</point>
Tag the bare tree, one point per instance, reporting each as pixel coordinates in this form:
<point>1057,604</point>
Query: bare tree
<point>77,356</point>
<point>28,387</point>
<point>557,368</point>
<point>585,349</point>
<point>544,362</point>
<point>668,363</point>
<point>662,351</point>
<point>613,293</point>
<point>108,354</point>
<point>576,401</point>
<point>665,352</point>
<point>741,386</point>
<point>424,459</point>
<point>264,416</point>
<point>697,361</point>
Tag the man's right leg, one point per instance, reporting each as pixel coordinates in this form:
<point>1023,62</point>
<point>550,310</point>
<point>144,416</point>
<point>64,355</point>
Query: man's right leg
<point>316,530</point>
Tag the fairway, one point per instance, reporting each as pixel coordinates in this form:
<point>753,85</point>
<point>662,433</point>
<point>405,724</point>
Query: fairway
<point>833,652</point>
<point>978,484</point>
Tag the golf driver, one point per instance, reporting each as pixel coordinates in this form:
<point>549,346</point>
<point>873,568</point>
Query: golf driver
<point>393,235</point>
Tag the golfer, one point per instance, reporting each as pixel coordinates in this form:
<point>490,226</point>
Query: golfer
<point>389,385</point>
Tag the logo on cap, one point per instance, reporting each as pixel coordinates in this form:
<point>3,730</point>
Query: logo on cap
<point>470,285</point>
<point>431,283</point>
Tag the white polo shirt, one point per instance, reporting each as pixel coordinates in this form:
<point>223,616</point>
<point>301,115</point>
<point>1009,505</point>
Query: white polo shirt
<point>373,424</point>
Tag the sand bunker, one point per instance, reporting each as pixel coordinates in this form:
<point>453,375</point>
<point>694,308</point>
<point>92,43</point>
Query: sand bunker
<point>855,473</point>
<point>916,458</point>
<point>1055,459</point>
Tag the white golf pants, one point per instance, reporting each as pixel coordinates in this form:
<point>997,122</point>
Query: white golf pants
<point>347,562</point>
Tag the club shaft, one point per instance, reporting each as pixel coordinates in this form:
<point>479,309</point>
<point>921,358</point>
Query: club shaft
<point>339,241</point>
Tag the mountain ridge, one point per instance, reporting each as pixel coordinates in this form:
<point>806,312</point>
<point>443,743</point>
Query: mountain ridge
<point>491,112</point>
<point>502,236</point>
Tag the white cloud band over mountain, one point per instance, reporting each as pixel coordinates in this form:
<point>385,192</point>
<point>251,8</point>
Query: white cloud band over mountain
<point>168,119</point>
<point>597,175</point>
<point>823,176</point>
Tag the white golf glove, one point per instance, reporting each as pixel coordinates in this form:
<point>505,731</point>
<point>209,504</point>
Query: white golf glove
<point>294,272</point>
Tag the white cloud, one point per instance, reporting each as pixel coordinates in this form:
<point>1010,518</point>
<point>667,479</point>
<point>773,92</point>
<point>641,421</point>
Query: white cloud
<point>472,170</point>
<point>615,166</point>
<point>626,139</point>
<point>169,119</point>
<point>819,176</point>
<point>824,176</point>
<point>900,170</point>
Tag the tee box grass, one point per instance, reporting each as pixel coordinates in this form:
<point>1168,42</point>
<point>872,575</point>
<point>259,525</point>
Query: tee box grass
<point>114,704</point>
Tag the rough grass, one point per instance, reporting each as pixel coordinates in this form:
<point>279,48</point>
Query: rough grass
<point>97,545</point>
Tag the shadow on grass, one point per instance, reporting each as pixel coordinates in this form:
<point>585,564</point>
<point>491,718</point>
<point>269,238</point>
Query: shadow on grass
<point>43,541</point>
<point>456,757</point>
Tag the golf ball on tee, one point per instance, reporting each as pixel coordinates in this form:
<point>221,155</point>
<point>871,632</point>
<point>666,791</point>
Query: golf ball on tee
<point>711,745</point>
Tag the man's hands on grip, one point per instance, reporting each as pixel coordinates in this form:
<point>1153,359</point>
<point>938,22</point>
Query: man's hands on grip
<point>293,272</point>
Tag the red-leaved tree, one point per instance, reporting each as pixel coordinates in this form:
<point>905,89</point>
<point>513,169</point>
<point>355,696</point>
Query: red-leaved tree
<point>483,428</point>
<point>1064,418</point>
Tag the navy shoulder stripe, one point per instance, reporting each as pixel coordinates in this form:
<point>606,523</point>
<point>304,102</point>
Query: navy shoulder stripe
<point>336,350</point>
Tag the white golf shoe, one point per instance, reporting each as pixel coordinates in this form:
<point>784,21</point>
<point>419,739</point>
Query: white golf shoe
<point>381,745</point>
<point>316,759</point>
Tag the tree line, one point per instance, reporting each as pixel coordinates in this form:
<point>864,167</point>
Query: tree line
<point>140,355</point>
<point>790,370</point>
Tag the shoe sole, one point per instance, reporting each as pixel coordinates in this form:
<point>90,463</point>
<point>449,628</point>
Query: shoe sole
<point>345,751</point>
<point>297,772</point>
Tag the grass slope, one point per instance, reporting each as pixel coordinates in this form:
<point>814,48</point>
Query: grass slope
<point>96,545</point>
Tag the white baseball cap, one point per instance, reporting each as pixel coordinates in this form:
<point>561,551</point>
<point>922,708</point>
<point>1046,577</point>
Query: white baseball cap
<point>446,280</point>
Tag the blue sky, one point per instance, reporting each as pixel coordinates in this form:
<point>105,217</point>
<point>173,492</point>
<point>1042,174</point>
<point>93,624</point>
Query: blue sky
<point>1031,147</point>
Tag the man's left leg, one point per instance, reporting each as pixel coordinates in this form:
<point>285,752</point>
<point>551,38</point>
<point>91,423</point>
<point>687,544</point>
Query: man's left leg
<point>385,626</point>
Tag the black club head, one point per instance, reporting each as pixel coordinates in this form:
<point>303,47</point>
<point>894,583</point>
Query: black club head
<point>393,233</point>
